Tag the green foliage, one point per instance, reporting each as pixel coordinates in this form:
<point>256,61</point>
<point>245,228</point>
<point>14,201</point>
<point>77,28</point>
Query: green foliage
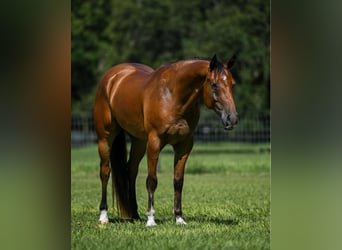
<point>226,202</point>
<point>108,32</point>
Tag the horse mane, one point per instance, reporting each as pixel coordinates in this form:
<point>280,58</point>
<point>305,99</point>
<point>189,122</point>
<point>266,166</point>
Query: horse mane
<point>219,65</point>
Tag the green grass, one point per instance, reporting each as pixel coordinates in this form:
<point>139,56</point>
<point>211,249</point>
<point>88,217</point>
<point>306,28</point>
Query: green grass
<point>226,202</point>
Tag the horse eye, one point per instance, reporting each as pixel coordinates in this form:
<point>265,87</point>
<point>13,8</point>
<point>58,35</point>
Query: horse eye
<point>213,85</point>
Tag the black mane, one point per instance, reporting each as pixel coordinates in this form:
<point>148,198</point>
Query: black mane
<point>219,65</point>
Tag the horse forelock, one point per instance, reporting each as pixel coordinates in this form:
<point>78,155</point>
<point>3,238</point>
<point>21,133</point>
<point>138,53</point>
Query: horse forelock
<point>219,69</point>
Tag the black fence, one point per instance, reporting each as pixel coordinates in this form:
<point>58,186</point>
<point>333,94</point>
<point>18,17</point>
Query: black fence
<point>252,128</point>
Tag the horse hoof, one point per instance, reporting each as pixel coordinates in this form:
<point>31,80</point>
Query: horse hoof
<point>103,217</point>
<point>180,221</point>
<point>150,222</point>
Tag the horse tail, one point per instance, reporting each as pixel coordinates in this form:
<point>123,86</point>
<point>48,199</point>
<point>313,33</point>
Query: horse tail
<point>120,175</point>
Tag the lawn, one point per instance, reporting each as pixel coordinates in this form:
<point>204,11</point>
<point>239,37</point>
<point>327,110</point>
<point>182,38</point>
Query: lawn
<point>226,202</point>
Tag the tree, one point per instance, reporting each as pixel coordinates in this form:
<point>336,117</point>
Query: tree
<point>108,32</point>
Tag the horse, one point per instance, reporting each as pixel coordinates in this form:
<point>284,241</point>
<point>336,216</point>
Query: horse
<point>155,108</point>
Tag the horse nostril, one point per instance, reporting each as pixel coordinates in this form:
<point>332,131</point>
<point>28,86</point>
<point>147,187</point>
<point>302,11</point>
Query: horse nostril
<point>232,118</point>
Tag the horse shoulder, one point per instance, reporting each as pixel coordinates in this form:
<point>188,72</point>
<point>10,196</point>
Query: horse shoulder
<point>183,125</point>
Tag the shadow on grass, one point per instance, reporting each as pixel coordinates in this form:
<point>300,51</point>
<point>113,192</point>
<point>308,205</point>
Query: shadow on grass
<point>117,220</point>
<point>199,219</point>
<point>215,151</point>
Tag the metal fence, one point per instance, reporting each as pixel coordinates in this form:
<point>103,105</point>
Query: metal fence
<point>252,128</point>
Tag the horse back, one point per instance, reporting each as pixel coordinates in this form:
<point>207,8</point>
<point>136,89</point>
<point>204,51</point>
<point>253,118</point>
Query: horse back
<point>122,74</point>
<point>119,96</point>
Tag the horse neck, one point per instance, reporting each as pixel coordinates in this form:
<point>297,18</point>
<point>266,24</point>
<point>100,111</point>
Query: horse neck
<point>190,78</point>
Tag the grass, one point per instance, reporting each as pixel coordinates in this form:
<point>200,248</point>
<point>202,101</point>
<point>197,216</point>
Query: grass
<point>226,202</point>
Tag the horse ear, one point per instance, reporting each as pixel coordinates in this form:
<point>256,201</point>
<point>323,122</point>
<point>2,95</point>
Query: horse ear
<point>231,62</point>
<point>213,63</point>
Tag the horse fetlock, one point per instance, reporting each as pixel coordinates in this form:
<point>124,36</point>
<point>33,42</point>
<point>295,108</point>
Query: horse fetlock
<point>150,213</point>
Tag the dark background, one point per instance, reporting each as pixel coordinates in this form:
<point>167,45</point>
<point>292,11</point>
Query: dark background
<point>153,32</point>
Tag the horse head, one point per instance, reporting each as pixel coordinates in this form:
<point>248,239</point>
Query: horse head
<point>218,91</point>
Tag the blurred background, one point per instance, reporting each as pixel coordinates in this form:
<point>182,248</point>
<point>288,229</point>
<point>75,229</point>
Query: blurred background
<point>109,32</point>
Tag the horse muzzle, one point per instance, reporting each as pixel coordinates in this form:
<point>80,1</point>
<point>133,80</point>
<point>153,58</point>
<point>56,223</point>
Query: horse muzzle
<point>229,120</point>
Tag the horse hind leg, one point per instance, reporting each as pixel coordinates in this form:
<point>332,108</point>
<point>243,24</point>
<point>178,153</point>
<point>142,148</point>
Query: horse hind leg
<point>138,149</point>
<point>105,140</point>
<point>104,149</point>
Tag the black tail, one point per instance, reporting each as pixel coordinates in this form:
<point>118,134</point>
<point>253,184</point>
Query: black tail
<point>120,177</point>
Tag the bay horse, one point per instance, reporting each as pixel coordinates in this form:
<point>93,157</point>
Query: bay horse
<point>155,108</point>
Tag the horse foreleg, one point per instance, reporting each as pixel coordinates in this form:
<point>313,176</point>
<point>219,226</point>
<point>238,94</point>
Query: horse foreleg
<point>182,152</point>
<point>104,149</point>
<point>153,149</point>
